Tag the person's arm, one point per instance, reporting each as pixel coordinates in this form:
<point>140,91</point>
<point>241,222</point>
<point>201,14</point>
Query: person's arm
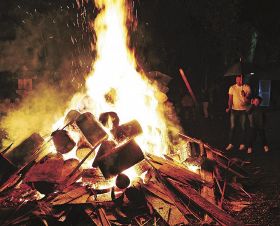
<point>230,98</point>
<point>247,94</point>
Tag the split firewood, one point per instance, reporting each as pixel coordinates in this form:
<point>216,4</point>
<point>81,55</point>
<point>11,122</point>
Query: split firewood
<point>102,217</point>
<point>78,195</point>
<point>26,150</point>
<point>169,213</point>
<point>212,210</point>
<point>176,171</point>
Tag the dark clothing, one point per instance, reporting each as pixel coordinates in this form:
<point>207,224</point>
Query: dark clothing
<point>253,135</point>
<point>257,125</point>
<point>234,116</point>
<point>258,117</point>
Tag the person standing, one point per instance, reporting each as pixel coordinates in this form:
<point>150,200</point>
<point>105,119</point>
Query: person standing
<point>238,102</point>
<point>258,124</point>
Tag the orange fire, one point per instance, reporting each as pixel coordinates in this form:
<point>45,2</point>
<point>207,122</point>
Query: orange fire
<point>115,85</point>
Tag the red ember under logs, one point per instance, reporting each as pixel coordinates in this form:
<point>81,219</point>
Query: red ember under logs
<point>128,130</point>
<point>90,128</point>
<point>113,160</point>
<point>62,141</point>
<point>25,151</point>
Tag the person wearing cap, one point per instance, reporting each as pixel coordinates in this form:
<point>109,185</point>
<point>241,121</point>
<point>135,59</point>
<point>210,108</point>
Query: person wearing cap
<point>258,124</point>
<point>238,102</point>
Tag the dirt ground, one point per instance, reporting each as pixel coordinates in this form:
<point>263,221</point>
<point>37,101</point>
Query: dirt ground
<point>265,167</point>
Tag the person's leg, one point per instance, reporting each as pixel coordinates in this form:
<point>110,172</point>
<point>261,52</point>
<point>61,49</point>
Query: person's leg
<point>263,139</point>
<point>242,119</point>
<point>232,128</point>
<point>252,138</point>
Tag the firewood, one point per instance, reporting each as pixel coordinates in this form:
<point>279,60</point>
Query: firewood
<point>210,209</point>
<point>122,181</point>
<point>76,196</point>
<point>48,169</point>
<point>108,118</point>
<point>127,131</point>
<point>177,172</point>
<point>62,141</point>
<point>91,129</point>
<point>113,160</point>
<point>71,117</point>
<point>26,150</point>
<point>102,217</point>
<point>169,213</point>
<point>7,169</point>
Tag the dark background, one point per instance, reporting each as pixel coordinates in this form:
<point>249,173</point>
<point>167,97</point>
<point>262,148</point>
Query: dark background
<point>51,38</point>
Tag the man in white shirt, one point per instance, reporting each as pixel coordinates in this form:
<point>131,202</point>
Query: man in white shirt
<point>238,102</point>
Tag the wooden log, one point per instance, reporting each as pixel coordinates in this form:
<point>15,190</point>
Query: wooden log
<point>62,141</point>
<point>127,131</point>
<point>184,77</point>
<point>213,211</point>
<point>176,171</point>
<point>7,169</point>
<point>91,129</point>
<point>113,160</point>
<point>26,150</point>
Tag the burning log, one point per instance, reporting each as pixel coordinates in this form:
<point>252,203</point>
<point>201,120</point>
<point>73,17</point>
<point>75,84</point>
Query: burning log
<point>71,117</point>
<point>26,151</point>
<point>62,141</point>
<point>127,131</point>
<point>122,181</point>
<point>108,118</point>
<point>91,129</point>
<point>113,160</point>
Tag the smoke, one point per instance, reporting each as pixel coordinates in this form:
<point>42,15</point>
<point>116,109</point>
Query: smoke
<point>36,113</point>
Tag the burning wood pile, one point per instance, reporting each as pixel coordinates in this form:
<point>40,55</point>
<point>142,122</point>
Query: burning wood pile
<point>111,162</point>
<point>39,189</point>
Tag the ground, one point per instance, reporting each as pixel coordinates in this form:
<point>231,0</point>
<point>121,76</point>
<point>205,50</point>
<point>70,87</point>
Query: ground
<point>265,186</point>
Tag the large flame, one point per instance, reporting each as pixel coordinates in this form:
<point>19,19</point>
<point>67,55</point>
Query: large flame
<point>114,84</point>
<point>114,74</point>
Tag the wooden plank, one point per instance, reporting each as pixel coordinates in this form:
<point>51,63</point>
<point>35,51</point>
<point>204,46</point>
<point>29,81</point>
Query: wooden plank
<point>213,211</point>
<point>168,212</point>
<point>158,191</point>
<point>177,171</point>
<point>102,217</point>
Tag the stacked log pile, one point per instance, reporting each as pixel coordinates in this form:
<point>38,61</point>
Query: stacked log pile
<point>39,189</point>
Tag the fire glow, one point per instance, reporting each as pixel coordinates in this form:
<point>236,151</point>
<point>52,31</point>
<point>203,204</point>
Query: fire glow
<point>114,84</point>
